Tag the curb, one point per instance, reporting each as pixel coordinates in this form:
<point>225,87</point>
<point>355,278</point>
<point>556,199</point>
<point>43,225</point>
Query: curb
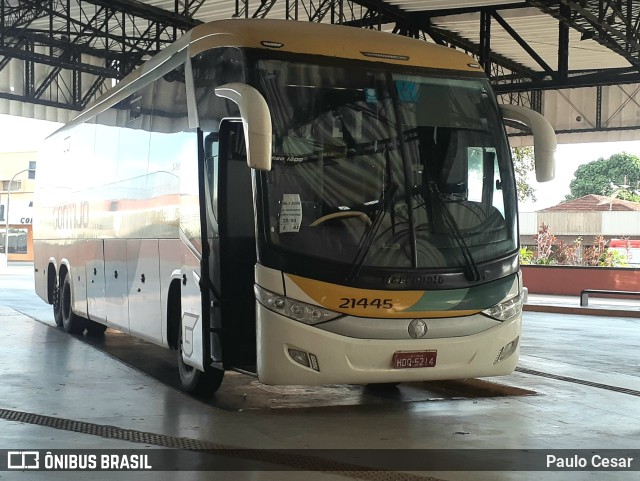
<point>584,311</point>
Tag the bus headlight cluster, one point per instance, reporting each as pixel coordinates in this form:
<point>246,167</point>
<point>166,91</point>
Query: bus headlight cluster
<point>296,310</point>
<point>505,310</point>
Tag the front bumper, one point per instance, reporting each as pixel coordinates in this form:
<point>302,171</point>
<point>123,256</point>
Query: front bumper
<point>347,360</point>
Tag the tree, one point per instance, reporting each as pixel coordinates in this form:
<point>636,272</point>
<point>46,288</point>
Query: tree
<point>619,175</point>
<point>523,164</point>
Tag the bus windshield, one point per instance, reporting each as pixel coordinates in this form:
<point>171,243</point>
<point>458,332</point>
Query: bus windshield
<point>385,168</point>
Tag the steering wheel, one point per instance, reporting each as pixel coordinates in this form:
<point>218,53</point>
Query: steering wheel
<point>343,215</point>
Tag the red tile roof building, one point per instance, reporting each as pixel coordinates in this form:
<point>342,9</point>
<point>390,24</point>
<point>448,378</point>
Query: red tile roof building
<point>594,203</point>
<point>585,218</point>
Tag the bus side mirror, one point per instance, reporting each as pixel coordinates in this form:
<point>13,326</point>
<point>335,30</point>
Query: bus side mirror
<point>544,138</point>
<point>256,121</point>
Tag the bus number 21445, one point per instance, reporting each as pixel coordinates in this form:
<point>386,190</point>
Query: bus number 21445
<point>354,303</point>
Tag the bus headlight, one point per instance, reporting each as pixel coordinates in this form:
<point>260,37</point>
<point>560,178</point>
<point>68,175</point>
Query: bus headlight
<point>296,310</point>
<point>506,309</point>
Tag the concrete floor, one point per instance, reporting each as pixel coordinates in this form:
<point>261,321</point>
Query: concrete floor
<point>584,370</point>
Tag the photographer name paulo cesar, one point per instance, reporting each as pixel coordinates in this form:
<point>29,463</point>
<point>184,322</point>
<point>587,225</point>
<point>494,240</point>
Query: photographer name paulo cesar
<point>596,461</point>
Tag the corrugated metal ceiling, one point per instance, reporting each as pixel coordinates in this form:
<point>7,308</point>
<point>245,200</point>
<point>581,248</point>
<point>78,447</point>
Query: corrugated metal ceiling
<point>614,114</point>
<point>422,5</point>
<point>538,29</point>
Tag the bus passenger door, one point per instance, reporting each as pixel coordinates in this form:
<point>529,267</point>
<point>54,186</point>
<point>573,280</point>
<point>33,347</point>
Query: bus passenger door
<point>192,320</point>
<point>115,275</point>
<point>236,254</point>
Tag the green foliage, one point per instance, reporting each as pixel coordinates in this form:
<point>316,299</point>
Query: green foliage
<point>526,255</point>
<point>601,177</point>
<point>612,258</point>
<point>523,164</point>
<point>550,251</point>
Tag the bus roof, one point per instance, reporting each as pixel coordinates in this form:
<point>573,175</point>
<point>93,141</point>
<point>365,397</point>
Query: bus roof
<point>328,40</point>
<point>297,37</point>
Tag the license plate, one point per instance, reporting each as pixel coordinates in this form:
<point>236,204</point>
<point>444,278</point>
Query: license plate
<point>411,359</point>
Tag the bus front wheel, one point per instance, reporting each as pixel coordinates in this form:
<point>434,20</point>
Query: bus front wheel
<point>195,381</point>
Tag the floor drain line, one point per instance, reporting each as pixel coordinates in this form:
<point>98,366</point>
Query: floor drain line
<point>287,459</point>
<point>598,385</point>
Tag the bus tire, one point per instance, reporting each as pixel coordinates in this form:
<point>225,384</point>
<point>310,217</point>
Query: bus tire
<point>95,328</point>
<point>57,308</point>
<point>195,381</point>
<point>71,323</point>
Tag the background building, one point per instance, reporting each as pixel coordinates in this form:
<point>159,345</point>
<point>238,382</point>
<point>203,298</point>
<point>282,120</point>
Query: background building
<point>585,217</point>
<point>16,204</point>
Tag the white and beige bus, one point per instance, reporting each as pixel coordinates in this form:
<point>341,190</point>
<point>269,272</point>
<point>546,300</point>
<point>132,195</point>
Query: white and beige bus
<point>317,203</point>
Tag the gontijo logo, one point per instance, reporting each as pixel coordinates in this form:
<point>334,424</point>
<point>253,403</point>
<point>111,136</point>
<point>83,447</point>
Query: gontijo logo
<point>23,460</point>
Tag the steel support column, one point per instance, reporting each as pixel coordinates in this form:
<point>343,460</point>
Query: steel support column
<point>485,41</point>
<point>563,44</point>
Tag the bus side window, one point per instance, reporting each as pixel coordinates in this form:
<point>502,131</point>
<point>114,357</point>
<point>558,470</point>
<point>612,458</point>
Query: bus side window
<point>211,69</point>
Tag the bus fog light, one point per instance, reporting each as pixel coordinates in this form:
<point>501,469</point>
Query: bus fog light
<point>304,358</point>
<point>300,357</point>
<point>507,350</point>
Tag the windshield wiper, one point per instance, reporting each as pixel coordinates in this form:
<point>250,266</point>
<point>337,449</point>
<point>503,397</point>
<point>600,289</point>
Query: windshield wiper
<point>387,199</point>
<point>472,272</point>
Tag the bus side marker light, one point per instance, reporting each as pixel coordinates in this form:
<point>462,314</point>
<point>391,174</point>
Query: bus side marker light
<point>270,44</point>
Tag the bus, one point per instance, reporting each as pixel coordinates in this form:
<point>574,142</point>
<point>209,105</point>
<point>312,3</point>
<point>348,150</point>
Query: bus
<point>309,203</point>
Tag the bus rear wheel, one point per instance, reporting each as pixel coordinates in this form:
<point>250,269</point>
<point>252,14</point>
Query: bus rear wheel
<point>195,381</point>
<point>57,308</point>
<point>71,323</point>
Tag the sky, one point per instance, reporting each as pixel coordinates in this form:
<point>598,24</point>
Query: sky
<point>568,158</point>
<point>19,134</point>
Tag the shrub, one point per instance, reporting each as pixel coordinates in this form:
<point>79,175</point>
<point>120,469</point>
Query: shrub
<point>526,255</point>
<point>568,254</point>
<point>544,242</point>
<point>551,251</point>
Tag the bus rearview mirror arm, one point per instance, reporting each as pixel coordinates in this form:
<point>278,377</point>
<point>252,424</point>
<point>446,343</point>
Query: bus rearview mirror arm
<point>544,138</point>
<point>256,121</point>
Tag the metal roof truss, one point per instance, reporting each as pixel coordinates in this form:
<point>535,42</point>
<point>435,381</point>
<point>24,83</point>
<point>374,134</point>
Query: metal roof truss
<point>83,45</point>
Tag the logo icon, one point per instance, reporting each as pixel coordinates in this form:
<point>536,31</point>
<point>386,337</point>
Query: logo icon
<point>417,328</point>
<point>23,460</point>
